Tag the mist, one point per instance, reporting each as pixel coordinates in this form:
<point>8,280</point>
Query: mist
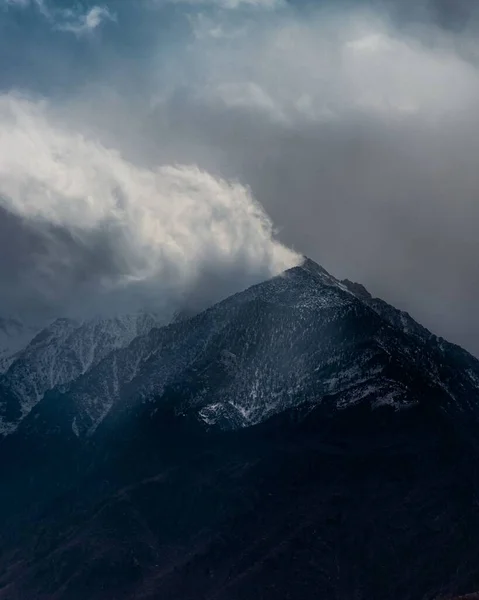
<point>175,143</point>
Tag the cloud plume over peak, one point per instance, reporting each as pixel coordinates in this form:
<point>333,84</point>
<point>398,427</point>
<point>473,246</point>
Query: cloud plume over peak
<point>353,123</point>
<point>98,230</point>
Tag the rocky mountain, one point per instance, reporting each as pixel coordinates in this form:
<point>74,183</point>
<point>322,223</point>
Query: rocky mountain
<point>299,340</point>
<point>300,439</point>
<point>58,355</point>
<point>14,336</point>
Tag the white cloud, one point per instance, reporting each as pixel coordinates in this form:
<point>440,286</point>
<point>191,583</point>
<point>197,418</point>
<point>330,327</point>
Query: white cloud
<point>312,69</point>
<point>82,23</point>
<point>163,230</point>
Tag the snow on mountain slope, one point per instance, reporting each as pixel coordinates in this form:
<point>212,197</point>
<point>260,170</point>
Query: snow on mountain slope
<point>301,339</point>
<point>451,367</point>
<point>14,337</point>
<point>58,355</point>
<point>144,369</point>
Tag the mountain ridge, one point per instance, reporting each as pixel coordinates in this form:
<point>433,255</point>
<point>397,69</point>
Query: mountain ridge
<point>299,439</point>
<point>60,353</point>
<point>305,299</point>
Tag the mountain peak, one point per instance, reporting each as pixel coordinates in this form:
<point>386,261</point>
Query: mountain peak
<point>330,369</point>
<point>301,338</point>
<point>314,268</point>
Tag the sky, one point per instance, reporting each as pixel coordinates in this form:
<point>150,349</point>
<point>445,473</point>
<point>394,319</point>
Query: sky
<point>157,152</point>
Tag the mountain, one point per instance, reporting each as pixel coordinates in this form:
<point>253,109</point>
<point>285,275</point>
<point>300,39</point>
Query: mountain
<point>300,439</point>
<point>300,339</point>
<point>58,355</point>
<point>14,336</point>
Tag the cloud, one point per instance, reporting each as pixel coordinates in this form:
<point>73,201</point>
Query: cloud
<point>354,124</point>
<point>92,228</point>
<point>74,20</point>
<point>82,23</point>
<point>224,4</point>
<point>318,69</point>
<point>16,2</point>
<point>358,136</point>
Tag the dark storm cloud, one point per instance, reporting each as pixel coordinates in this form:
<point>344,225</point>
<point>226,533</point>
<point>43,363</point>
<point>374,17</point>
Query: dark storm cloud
<point>354,124</point>
<point>447,13</point>
<point>43,267</point>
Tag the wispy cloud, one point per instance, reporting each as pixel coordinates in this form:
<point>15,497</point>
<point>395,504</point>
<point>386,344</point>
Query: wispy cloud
<point>82,23</point>
<point>77,20</point>
<point>224,4</point>
<point>316,70</point>
<point>16,2</point>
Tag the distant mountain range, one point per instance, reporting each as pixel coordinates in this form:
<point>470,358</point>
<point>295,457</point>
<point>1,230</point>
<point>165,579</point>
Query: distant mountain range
<point>57,356</point>
<point>299,440</point>
<point>14,337</point>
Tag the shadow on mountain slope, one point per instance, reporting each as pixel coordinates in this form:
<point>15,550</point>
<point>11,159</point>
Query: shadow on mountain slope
<point>361,504</point>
